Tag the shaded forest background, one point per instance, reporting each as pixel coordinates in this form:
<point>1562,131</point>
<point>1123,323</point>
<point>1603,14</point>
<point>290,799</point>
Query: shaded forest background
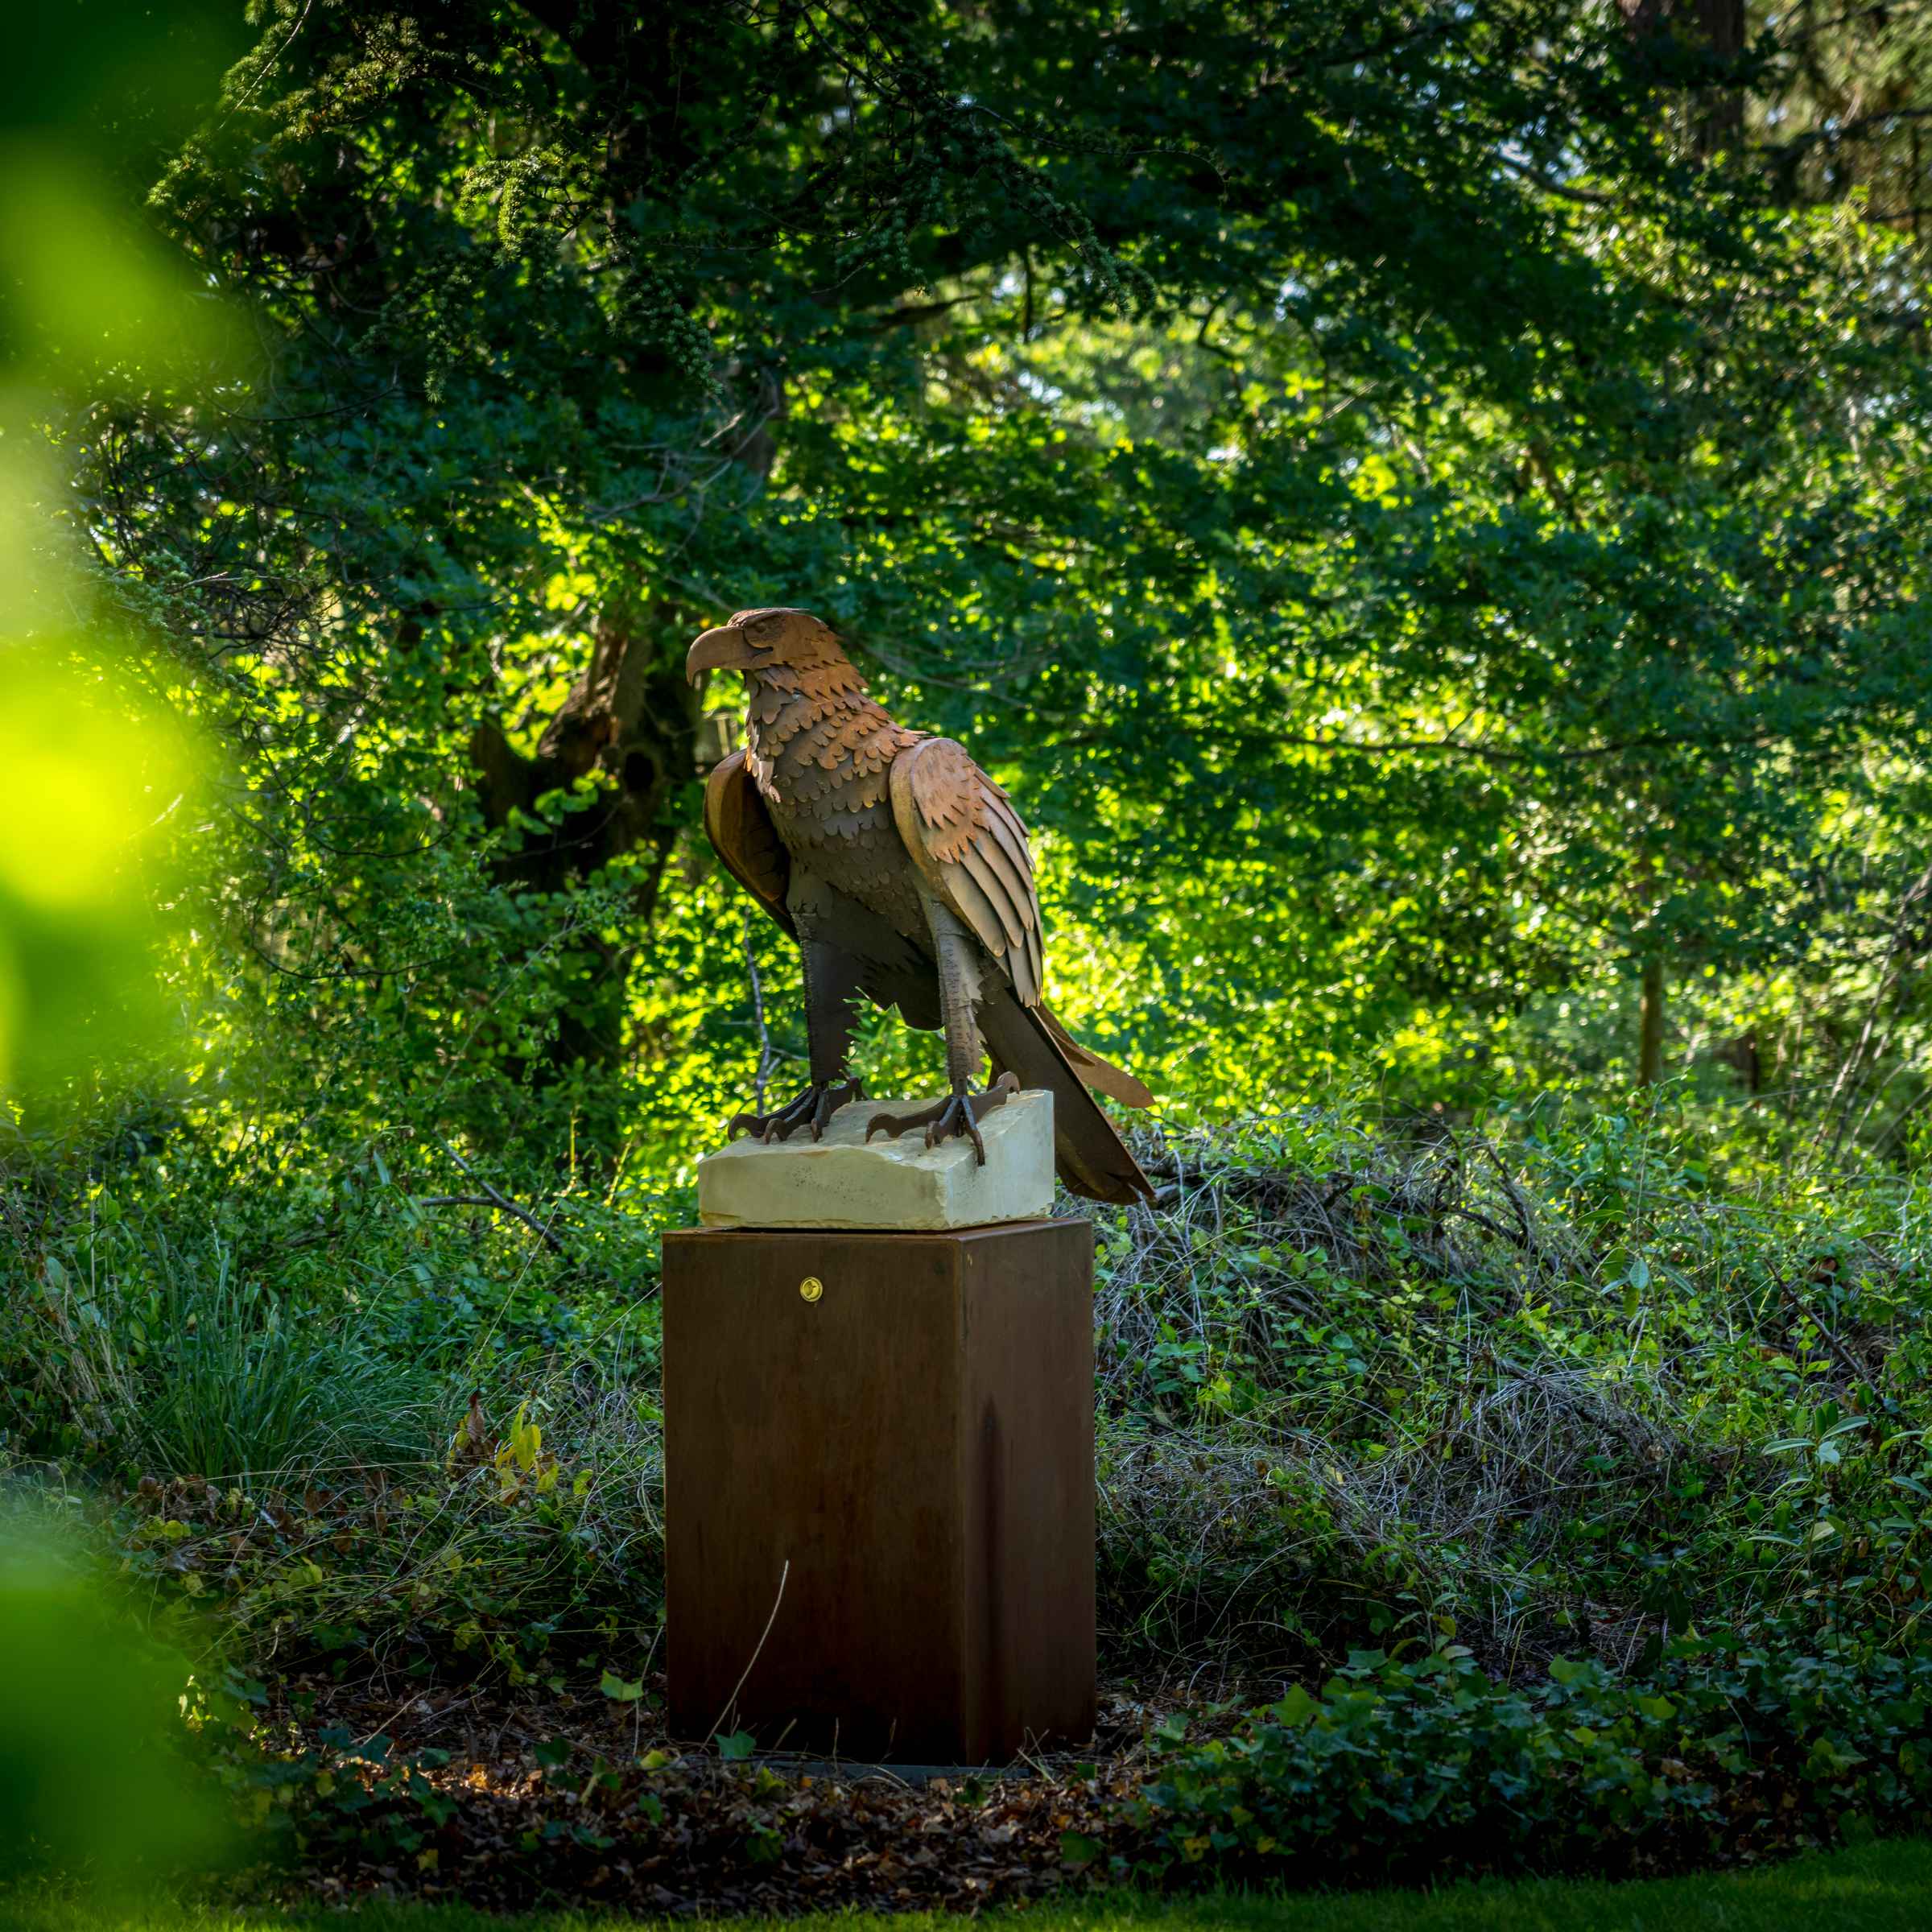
<point>1426,508</point>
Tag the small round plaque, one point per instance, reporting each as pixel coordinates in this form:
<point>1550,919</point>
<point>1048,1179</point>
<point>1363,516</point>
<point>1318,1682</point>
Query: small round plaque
<point>811,1288</point>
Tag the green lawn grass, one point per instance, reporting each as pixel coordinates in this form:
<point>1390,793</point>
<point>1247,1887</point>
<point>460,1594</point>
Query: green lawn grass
<point>1874,1888</point>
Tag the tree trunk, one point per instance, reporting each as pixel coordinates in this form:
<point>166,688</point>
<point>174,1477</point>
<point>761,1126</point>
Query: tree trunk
<point>1716,120</point>
<point>631,717</point>
<point>1650,1037</point>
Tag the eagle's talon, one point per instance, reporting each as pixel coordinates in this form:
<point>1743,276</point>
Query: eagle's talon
<point>813,1109</point>
<point>957,1118</point>
<point>959,1113</point>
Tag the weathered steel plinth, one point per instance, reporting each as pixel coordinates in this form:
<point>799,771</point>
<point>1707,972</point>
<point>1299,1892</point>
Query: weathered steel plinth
<point>881,1445</point>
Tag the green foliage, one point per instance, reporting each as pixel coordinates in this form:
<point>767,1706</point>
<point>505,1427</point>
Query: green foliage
<point>343,1794</point>
<point>1425,507</point>
<point>1398,1770</point>
<point>516,1558</point>
<point>99,768</point>
<point>1444,535</point>
<point>1569,1379</point>
<point>91,768</point>
<point>219,1376</point>
<point>283,1401</point>
<point>319,1320</point>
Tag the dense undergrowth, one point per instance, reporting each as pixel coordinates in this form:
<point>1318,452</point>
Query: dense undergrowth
<point>1557,1481</point>
<point>1563,1384</point>
<point>1571,1387</point>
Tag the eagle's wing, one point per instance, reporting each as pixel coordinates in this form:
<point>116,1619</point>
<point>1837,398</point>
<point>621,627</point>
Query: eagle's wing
<point>742,834</point>
<point>970,848</point>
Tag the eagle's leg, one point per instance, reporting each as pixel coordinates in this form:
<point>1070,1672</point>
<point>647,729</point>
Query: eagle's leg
<point>832,978</point>
<point>962,1111</point>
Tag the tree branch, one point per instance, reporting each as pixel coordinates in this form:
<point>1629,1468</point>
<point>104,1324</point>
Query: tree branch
<point>489,1198</point>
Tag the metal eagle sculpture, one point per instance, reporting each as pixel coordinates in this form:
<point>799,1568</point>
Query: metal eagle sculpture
<point>902,871</point>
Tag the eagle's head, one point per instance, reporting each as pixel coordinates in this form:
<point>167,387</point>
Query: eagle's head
<point>756,640</point>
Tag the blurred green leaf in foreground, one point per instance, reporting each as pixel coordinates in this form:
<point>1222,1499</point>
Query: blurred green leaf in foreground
<point>97,771</point>
<point>90,1785</point>
<point>90,778</point>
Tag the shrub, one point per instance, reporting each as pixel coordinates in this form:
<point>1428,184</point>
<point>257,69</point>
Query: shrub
<point>531,1543</point>
<point>1397,1770</point>
<point>1566,1385</point>
<point>1574,1384</point>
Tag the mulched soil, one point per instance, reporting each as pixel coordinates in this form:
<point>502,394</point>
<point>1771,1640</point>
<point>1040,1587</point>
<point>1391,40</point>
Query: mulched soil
<point>564,1798</point>
<point>551,1795</point>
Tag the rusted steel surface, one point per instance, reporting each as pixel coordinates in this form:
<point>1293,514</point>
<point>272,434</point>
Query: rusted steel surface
<point>905,876</point>
<point>879,1495</point>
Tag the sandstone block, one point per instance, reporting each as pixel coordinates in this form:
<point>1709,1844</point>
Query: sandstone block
<point>842,1181</point>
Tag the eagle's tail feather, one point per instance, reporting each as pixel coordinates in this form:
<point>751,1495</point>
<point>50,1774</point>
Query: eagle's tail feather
<point>1029,1042</point>
<point>1102,1077</point>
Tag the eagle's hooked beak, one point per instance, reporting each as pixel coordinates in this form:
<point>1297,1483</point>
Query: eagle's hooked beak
<point>725,648</point>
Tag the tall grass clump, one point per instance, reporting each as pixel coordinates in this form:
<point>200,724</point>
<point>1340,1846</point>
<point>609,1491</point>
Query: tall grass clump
<point>198,1369</point>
